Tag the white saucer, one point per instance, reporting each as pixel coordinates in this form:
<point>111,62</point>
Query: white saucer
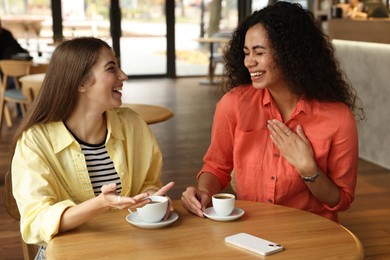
<point>136,220</point>
<point>210,213</point>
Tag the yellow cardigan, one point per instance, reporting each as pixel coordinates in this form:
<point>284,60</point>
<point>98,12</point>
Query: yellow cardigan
<point>49,172</point>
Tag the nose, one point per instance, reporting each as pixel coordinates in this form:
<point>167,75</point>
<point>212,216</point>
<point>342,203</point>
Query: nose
<point>249,61</point>
<point>122,76</point>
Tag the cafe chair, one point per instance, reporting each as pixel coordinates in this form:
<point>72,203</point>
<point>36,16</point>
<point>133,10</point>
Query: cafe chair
<point>217,56</point>
<point>12,69</point>
<point>29,251</point>
<point>38,68</point>
<point>29,91</point>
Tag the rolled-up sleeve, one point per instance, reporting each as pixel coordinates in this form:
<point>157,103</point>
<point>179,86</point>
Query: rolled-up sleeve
<point>343,161</point>
<point>36,193</point>
<point>219,157</point>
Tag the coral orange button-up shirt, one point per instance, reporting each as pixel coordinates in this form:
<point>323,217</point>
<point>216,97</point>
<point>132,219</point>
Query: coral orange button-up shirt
<point>241,141</point>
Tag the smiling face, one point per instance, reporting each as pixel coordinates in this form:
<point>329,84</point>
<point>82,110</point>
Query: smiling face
<point>102,89</point>
<point>259,60</point>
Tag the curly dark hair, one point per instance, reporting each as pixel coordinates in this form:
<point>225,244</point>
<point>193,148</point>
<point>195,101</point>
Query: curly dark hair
<point>301,50</point>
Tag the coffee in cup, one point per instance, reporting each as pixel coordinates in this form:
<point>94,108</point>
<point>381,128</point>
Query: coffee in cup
<point>155,210</point>
<point>223,203</point>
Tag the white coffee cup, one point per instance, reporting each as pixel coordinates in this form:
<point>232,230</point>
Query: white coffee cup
<point>155,210</point>
<point>223,203</point>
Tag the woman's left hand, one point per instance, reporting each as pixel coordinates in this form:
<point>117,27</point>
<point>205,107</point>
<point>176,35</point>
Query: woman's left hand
<point>294,146</point>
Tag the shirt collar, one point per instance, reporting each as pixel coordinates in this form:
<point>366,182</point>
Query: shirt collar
<point>59,136</point>
<point>113,120</point>
<point>62,138</point>
<point>303,104</point>
<point>266,97</point>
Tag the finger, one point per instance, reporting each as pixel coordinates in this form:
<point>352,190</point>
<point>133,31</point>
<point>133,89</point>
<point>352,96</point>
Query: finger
<point>123,200</point>
<point>275,131</point>
<point>164,189</point>
<point>107,188</point>
<point>301,134</point>
<point>281,128</point>
<point>169,210</point>
<point>138,204</point>
<point>204,201</point>
<point>141,196</point>
<point>190,202</point>
<point>192,209</point>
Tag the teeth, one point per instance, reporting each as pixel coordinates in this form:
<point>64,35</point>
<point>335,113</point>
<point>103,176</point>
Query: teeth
<point>118,89</point>
<point>255,74</point>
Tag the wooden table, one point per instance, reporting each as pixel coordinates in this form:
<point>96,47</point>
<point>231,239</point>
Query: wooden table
<point>304,236</point>
<point>150,113</point>
<point>33,79</point>
<point>211,41</point>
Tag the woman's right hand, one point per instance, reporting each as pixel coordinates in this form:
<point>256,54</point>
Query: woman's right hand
<point>114,200</point>
<point>195,201</point>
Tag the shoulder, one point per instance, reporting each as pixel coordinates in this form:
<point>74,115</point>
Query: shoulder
<point>336,114</point>
<point>334,109</point>
<point>46,129</point>
<point>46,137</point>
<point>242,93</point>
<point>242,97</point>
<point>124,114</point>
<point>123,121</point>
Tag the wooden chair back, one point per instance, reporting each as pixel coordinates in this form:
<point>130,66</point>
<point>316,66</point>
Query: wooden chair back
<point>29,251</point>
<point>14,68</point>
<point>38,68</point>
<point>30,91</point>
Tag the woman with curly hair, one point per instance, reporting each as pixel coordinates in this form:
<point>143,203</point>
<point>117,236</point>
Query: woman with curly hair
<point>286,124</point>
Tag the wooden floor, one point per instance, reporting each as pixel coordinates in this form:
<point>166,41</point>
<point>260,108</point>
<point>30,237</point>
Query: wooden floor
<point>184,139</point>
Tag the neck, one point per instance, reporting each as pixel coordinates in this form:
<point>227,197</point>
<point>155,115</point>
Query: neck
<point>88,128</point>
<point>285,101</point>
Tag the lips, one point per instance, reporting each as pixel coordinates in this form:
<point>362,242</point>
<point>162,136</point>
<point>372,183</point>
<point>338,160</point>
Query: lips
<point>256,74</point>
<point>117,90</point>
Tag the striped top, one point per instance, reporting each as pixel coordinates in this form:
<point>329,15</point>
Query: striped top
<point>99,164</point>
<point>100,167</point>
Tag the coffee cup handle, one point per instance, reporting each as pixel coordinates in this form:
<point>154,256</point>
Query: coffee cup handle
<point>132,212</point>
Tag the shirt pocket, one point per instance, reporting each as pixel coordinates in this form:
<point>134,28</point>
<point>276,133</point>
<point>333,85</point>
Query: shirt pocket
<point>249,148</point>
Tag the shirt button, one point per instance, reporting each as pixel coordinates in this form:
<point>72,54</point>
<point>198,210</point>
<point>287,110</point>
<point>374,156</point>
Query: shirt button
<point>276,154</point>
<point>273,178</point>
<point>270,201</point>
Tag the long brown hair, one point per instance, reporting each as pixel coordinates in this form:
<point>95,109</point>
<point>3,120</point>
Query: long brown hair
<point>69,67</point>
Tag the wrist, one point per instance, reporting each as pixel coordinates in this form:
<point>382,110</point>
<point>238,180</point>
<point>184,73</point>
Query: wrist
<point>308,170</point>
<point>312,178</point>
<point>102,203</point>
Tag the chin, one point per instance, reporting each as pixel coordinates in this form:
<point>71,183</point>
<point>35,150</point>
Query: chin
<point>258,86</point>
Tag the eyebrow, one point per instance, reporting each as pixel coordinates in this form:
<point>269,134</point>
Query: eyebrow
<point>110,63</point>
<point>256,47</point>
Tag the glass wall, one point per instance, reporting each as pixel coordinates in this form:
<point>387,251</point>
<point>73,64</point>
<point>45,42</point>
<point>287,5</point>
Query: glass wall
<point>30,23</point>
<point>143,44</point>
<point>197,19</point>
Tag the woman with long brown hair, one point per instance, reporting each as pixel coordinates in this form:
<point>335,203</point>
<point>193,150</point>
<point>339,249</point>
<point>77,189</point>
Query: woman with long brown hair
<point>77,153</point>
